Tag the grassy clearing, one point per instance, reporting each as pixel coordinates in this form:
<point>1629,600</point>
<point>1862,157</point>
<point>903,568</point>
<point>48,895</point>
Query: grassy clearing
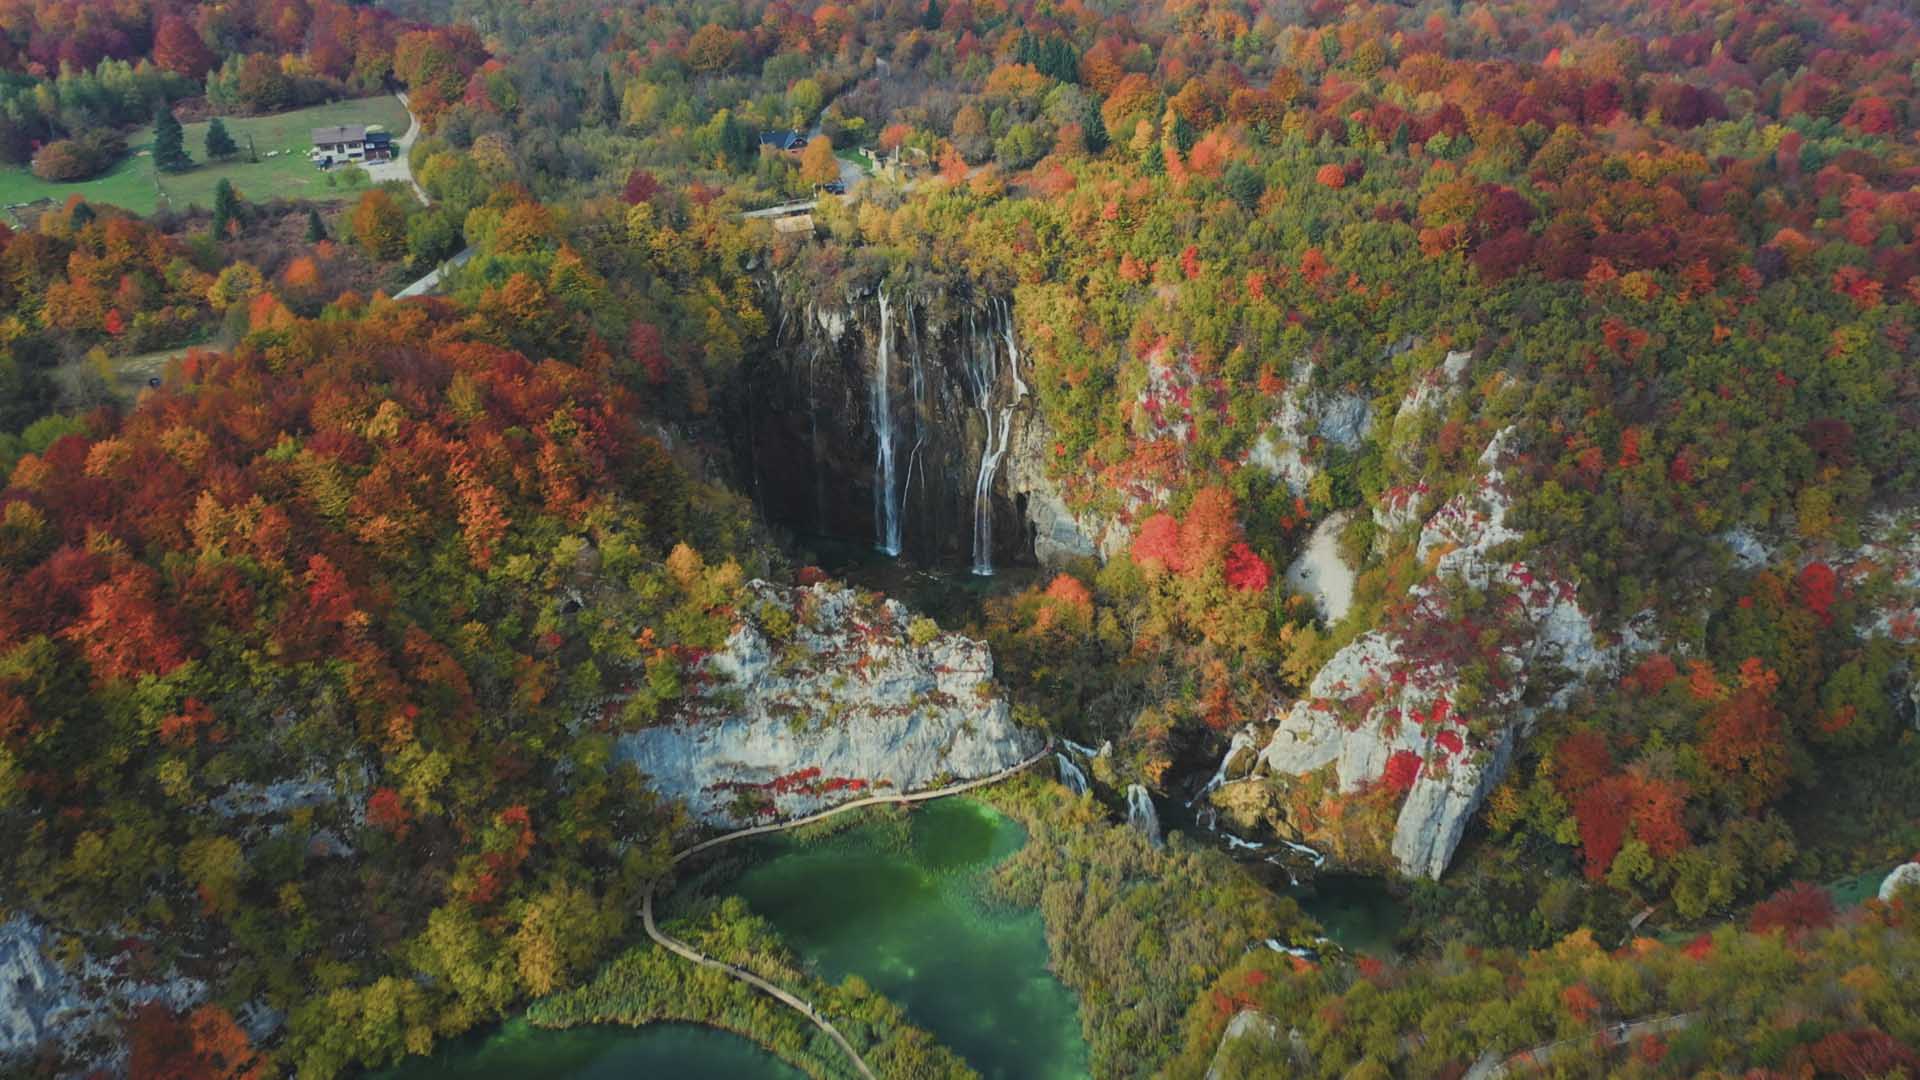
<point>130,184</point>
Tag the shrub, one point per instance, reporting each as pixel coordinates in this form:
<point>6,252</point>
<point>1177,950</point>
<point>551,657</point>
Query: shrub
<point>67,160</point>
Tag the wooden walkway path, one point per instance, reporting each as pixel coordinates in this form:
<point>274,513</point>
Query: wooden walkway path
<point>800,1005</point>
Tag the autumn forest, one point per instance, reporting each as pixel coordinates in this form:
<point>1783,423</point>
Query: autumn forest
<point>1465,448</point>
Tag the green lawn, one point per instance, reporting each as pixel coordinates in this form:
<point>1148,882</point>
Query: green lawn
<point>130,184</point>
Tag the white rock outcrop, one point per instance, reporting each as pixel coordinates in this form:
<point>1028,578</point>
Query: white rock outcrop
<point>1320,573</point>
<point>846,706</point>
<point>1059,533</point>
<point>42,1003</point>
<point>1394,691</point>
<point>37,999</point>
<point>1287,450</point>
<point>1904,876</point>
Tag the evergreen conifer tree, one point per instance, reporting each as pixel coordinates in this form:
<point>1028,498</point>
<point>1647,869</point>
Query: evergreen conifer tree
<point>169,143</point>
<point>220,145</point>
<point>226,208</point>
<point>609,101</point>
<point>316,229</point>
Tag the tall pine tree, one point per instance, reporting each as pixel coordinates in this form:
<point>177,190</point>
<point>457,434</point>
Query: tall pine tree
<point>169,143</point>
<point>316,229</point>
<point>220,145</point>
<point>226,208</point>
<point>609,106</point>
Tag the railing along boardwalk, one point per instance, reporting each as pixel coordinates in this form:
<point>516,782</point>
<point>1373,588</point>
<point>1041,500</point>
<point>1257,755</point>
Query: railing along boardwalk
<point>800,1005</point>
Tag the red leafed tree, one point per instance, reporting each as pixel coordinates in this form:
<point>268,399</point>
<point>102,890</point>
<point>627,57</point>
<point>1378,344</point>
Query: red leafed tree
<point>177,47</point>
<point>1580,760</point>
<point>1580,1002</point>
<point>641,185</point>
<point>388,812</point>
<point>207,1045</point>
<point>1246,570</point>
<point>1157,545</point>
<point>1658,806</point>
<point>1602,812</point>
<point>1331,176</point>
<point>1818,588</point>
<point>124,631</point>
<point>647,348</point>
<point>1210,527</point>
<point>1745,736</point>
<point>1863,1053</point>
<point>1796,909</point>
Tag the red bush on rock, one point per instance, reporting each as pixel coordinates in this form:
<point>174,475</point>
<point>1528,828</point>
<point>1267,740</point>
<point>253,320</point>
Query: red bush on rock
<point>1402,769</point>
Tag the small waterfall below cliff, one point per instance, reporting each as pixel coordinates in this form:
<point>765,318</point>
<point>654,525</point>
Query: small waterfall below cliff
<point>1071,775</point>
<point>1243,740</point>
<point>1141,815</point>
<point>984,374</point>
<point>886,497</point>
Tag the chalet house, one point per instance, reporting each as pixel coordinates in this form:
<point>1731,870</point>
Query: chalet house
<point>350,144</point>
<point>787,142</point>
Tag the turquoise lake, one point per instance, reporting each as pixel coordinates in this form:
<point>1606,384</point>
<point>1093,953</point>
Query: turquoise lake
<point>900,905</point>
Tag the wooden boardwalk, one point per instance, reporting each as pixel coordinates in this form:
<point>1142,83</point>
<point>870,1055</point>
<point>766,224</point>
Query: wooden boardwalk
<point>800,1005</point>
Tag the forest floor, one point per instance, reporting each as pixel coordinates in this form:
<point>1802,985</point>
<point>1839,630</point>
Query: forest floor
<point>133,184</point>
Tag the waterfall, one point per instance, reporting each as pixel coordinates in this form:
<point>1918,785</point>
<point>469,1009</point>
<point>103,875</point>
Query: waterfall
<point>917,384</point>
<point>1315,857</point>
<point>983,371</point>
<point>1242,740</point>
<point>1141,815</point>
<point>886,505</point>
<point>1071,775</point>
<point>1079,748</point>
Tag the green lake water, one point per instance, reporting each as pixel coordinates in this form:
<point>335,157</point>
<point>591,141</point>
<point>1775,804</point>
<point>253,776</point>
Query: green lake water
<point>1356,911</point>
<point>898,905</point>
<point>519,1051</point>
<point>902,908</point>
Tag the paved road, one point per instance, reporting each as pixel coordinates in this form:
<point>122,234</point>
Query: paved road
<point>397,168</point>
<point>432,281</point>
<point>1491,1066</point>
<point>682,949</point>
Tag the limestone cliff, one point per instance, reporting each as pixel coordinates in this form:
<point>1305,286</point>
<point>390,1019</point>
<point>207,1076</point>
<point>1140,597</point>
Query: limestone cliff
<point>820,696</point>
<point>1422,712</point>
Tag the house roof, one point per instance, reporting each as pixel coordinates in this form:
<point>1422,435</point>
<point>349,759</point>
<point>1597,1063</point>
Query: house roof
<point>339,133</point>
<point>783,140</point>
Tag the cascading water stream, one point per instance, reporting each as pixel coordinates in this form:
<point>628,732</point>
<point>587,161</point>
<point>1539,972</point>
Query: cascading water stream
<point>984,373</point>
<point>1071,775</point>
<point>886,505</point>
<point>1141,815</point>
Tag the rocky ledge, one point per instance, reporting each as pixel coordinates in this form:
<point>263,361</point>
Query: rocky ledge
<point>820,696</point>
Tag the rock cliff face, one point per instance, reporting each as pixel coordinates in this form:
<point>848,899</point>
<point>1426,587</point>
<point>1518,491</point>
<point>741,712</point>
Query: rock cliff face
<point>1310,419</point>
<point>888,416</point>
<point>1388,714</point>
<point>42,1003</point>
<point>818,698</point>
